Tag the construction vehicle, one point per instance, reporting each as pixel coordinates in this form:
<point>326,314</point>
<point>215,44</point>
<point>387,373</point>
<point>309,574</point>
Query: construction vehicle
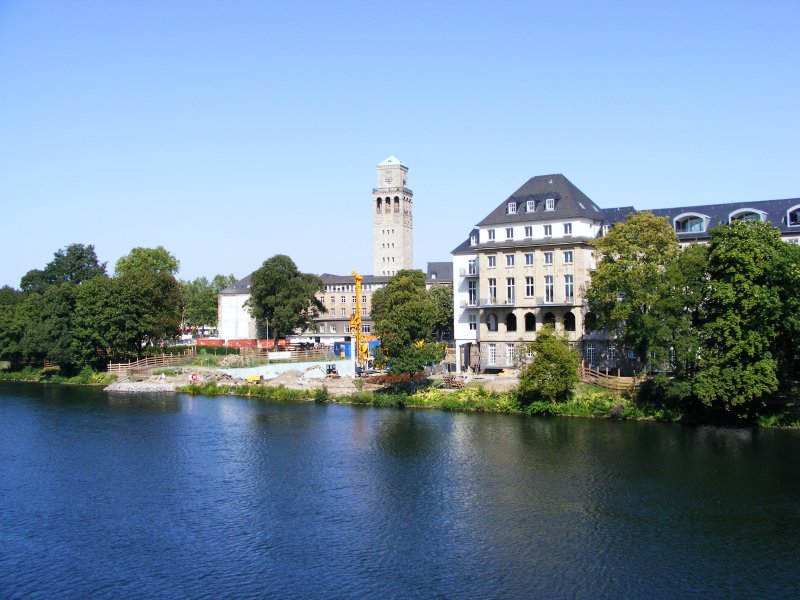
<point>331,371</point>
<point>362,346</point>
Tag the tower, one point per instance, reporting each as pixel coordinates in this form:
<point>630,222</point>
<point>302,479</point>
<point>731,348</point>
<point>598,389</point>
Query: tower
<point>393,222</point>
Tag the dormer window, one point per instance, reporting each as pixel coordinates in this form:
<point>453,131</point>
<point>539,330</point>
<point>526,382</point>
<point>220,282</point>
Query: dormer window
<point>550,204</point>
<point>512,208</point>
<point>473,240</point>
<point>793,216</point>
<point>606,229</point>
<point>747,214</point>
<point>530,206</point>
<point>691,223</point>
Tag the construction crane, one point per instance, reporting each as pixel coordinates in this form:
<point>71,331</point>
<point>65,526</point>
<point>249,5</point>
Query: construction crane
<point>362,347</point>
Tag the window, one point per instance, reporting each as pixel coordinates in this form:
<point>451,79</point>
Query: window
<point>354,299</point>
<point>690,224</point>
<point>511,322</point>
<point>590,353</point>
<point>512,208</point>
<point>347,328</point>
<point>364,298</point>
<point>472,267</point>
<point>528,231</point>
<point>353,310</point>
<point>492,261</point>
<point>491,235</point>
<point>473,239</point>
<point>366,328</point>
<point>509,233</point>
<point>530,206</point>
<point>529,287</point>
<point>612,354</point>
<point>333,299</point>
<point>548,258</point>
<point>492,290</point>
<point>568,256</point>
<point>548,230</point>
<point>793,216</point>
<point>569,322</point>
<point>333,327</point>
<point>509,260</point>
<point>473,322</point>
<point>492,354</point>
<point>363,311</point>
<point>605,229</point>
<point>472,290</point>
<point>567,228</point>
<point>569,288</point>
<point>548,288</point>
<point>530,322</point>
<point>322,299</point>
<point>550,204</point>
<point>344,299</point>
<point>747,214</point>
<point>529,258</point>
<point>509,290</point>
<point>510,353</point>
<point>491,322</point>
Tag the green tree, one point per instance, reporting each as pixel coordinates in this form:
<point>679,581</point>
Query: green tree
<point>73,264</point>
<point>149,306</point>
<point>11,325</point>
<point>745,315</point>
<point>153,260</point>
<point>45,320</point>
<point>200,299</point>
<point>441,297</point>
<point>282,299</point>
<point>553,373</point>
<point>99,333</point>
<point>404,318</point>
<point>628,282</point>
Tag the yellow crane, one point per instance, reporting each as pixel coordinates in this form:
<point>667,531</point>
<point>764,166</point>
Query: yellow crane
<point>362,347</point>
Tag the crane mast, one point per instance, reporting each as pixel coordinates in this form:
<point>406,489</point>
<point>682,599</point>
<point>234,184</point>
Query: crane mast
<point>362,347</point>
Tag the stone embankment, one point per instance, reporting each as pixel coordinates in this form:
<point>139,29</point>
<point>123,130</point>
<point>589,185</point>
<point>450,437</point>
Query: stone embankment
<point>141,387</point>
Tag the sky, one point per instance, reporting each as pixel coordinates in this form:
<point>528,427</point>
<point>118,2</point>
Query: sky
<point>229,132</point>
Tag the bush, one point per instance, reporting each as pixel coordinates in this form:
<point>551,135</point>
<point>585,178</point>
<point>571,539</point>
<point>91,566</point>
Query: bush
<point>553,372</point>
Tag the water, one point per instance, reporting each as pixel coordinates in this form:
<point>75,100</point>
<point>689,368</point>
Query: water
<point>173,496</point>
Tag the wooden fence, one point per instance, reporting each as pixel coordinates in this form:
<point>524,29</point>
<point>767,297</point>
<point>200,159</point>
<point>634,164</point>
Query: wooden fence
<point>609,380</point>
<point>291,355</point>
<point>160,360</point>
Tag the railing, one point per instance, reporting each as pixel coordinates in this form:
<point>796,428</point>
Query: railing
<point>468,272</point>
<point>568,301</point>
<point>159,360</point>
<point>608,380</point>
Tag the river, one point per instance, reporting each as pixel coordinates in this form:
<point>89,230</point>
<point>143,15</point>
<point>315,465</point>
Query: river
<point>175,496</point>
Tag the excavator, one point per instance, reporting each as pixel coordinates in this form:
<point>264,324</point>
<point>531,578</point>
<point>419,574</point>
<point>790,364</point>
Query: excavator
<point>362,346</point>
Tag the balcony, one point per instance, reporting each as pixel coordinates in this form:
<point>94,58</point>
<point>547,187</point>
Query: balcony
<point>468,304</point>
<point>468,272</point>
<point>568,301</point>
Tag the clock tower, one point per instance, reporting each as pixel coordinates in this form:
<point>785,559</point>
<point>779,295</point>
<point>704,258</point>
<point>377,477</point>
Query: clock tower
<point>392,221</point>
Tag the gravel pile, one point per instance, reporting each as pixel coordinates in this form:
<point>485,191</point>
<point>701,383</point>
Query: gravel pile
<point>141,387</point>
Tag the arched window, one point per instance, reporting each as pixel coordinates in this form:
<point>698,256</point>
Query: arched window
<point>491,322</point>
<point>511,322</point>
<point>793,216</point>
<point>747,214</point>
<point>396,204</point>
<point>378,205</point>
<point>691,223</point>
<point>530,322</point>
<point>569,322</point>
<point>550,319</point>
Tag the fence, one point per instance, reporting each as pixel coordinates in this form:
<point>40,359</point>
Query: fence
<point>609,381</point>
<point>292,355</point>
<point>160,360</point>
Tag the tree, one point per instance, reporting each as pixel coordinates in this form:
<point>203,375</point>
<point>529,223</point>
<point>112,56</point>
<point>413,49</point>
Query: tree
<point>553,373</point>
<point>153,260</point>
<point>282,299</point>
<point>441,297</point>
<point>745,316</point>
<point>200,299</point>
<point>73,264</point>
<point>627,285</point>
<point>11,326</point>
<point>404,318</point>
<point>99,332</point>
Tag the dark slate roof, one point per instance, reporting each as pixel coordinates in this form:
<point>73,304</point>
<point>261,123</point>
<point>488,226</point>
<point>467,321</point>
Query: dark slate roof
<point>612,216</point>
<point>465,246</point>
<point>570,202</point>
<point>240,287</point>
<point>775,210</point>
<point>442,270</point>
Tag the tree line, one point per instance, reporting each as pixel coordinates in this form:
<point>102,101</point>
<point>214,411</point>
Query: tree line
<point>716,324</point>
<point>73,313</point>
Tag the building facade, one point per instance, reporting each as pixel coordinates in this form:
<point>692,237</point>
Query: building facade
<point>528,263</point>
<point>393,220</point>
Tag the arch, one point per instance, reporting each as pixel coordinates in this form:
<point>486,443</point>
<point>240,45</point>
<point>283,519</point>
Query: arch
<point>550,319</point>
<point>379,205</point>
<point>396,204</point>
<point>530,322</point>
<point>491,322</point>
<point>511,322</point>
<point>747,214</point>
<point>569,321</point>
<point>691,223</point>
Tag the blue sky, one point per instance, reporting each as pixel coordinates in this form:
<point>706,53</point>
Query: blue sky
<point>229,132</point>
